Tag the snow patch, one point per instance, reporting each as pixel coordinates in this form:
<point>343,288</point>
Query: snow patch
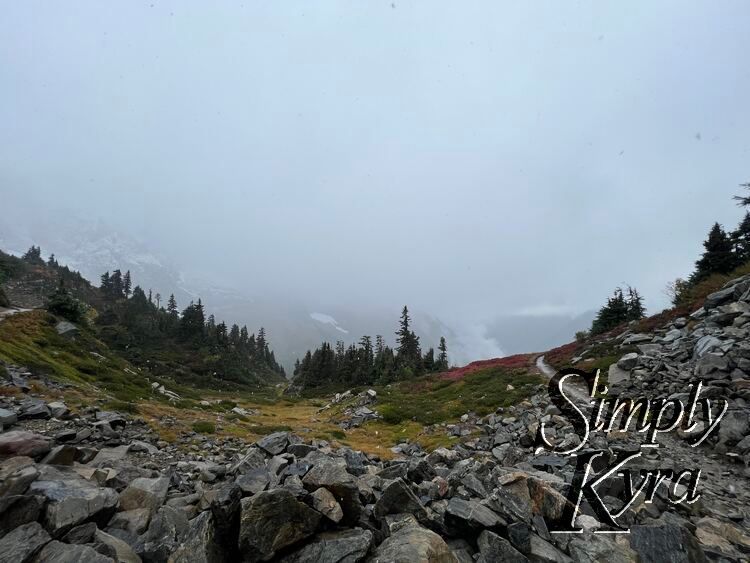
<point>327,320</point>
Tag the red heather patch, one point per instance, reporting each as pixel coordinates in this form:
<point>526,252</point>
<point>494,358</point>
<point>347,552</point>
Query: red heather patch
<point>510,362</point>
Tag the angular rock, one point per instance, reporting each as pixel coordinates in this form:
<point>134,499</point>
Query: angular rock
<point>628,361</point>
<point>496,548</point>
<point>413,544</point>
<point>398,498</point>
<point>273,520</point>
<point>72,501</point>
<point>473,513</point>
<point>345,546</point>
<point>145,493</point>
<point>325,503</point>
<point>123,552</point>
<point>167,530</point>
<point>58,552</point>
<point>666,542</point>
<point>274,443</point>
<point>20,545</point>
<point>21,443</point>
<point>7,418</point>
<point>200,545</point>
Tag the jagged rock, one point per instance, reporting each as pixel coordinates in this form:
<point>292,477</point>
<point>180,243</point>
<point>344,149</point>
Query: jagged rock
<point>719,297</point>
<point>21,443</point>
<point>722,537</point>
<point>61,455</point>
<point>20,545</point>
<point>58,552</point>
<point>496,548</point>
<point>81,534</point>
<point>398,498</point>
<point>16,473</point>
<point>254,481</point>
<point>7,418</point>
<point>325,503</point>
<point>145,493</point>
<point>274,443</point>
<point>34,408</point>
<point>19,510</point>
<point>473,513</point>
<point>168,528</point>
<point>734,427</point>
<point>411,544</point>
<point>200,545</point>
<point>253,459</point>
<point>706,344</point>
<point>664,542</point>
<point>544,552</point>
<point>273,520</point>
<point>326,473</point>
<point>628,361</point>
<point>58,409</point>
<point>123,552</point>
<point>345,546</point>
<point>134,521</point>
<point>72,500</point>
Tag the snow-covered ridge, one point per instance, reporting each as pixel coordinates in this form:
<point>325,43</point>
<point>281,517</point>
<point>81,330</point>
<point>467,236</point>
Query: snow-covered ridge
<point>327,320</point>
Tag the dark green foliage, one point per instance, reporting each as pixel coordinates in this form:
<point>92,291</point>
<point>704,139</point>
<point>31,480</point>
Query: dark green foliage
<point>365,364</point>
<point>62,303</point>
<point>204,427</point>
<point>4,301</point>
<point>408,354</point>
<point>34,256</point>
<point>741,240</point>
<point>743,200</point>
<point>186,346</point>
<point>718,257</point>
<point>619,309</point>
<point>442,359</point>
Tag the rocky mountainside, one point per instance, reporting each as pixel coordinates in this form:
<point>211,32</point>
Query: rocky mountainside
<point>100,486</point>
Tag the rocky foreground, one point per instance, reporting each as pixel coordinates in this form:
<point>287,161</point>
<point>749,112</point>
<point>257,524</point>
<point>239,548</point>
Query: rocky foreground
<point>98,486</point>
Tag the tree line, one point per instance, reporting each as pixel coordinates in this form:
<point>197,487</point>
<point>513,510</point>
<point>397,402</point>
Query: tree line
<point>231,353</point>
<point>368,363</point>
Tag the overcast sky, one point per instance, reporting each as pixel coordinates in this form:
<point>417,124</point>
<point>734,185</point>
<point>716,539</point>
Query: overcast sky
<point>468,158</point>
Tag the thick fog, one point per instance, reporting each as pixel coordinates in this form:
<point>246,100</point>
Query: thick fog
<point>471,159</point>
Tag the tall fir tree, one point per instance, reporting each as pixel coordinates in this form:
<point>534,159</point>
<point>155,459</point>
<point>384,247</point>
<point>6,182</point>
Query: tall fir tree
<point>442,360</point>
<point>718,257</point>
<point>741,240</point>
<point>126,284</point>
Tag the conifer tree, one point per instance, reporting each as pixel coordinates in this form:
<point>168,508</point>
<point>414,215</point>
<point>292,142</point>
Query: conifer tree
<point>442,361</point>
<point>718,257</point>
<point>741,240</point>
<point>126,284</point>
<point>743,201</point>
<point>172,306</point>
<point>636,309</point>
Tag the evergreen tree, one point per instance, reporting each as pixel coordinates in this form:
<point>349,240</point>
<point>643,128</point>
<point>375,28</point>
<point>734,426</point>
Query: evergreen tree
<point>34,256</point>
<point>743,200</point>
<point>126,284</point>
<point>442,360</point>
<point>636,309</point>
<point>741,240</point>
<point>51,261</point>
<point>408,355</point>
<point>718,257</point>
<point>117,286</point>
<point>172,306</point>
<point>429,360</point>
<point>62,303</point>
